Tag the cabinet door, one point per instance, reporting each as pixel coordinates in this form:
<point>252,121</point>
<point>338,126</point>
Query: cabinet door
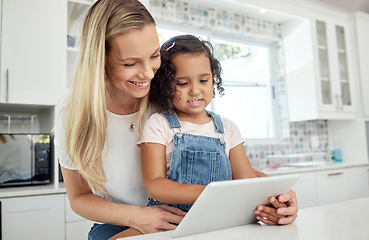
<point>332,186</point>
<point>76,13</point>
<point>31,51</point>
<point>305,189</point>
<point>318,60</point>
<point>359,182</point>
<point>362,38</point>
<point>334,74</point>
<point>38,217</point>
<point>76,227</point>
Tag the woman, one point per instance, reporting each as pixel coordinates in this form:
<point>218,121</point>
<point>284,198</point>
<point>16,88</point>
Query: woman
<point>99,120</point>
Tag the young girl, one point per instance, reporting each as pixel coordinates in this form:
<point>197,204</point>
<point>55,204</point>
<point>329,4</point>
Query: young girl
<point>186,147</point>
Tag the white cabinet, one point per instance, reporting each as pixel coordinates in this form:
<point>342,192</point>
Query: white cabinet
<point>362,36</point>
<point>333,186</point>
<point>318,69</point>
<point>77,9</point>
<point>76,227</point>
<point>31,51</point>
<point>36,217</point>
<point>305,189</point>
<point>359,182</point>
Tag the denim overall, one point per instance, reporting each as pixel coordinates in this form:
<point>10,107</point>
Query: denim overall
<point>197,159</point>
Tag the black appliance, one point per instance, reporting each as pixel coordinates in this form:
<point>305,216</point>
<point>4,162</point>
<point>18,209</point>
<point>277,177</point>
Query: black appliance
<point>25,159</point>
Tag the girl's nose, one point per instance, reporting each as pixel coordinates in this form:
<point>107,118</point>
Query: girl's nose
<point>194,89</point>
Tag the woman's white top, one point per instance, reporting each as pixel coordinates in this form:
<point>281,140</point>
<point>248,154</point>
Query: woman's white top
<point>121,157</point>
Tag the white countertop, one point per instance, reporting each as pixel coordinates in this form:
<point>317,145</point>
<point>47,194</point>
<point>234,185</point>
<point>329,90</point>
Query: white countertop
<point>59,188</point>
<point>328,166</point>
<point>338,221</point>
<point>32,190</point>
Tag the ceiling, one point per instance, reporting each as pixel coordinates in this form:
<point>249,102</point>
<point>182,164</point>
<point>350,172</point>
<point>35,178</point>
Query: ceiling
<point>349,5</point>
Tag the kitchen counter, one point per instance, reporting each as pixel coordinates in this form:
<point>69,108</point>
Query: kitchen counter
<point>343,220</point>
<point>311,168</point>
<point>32,190</point>
<point>59,187</point>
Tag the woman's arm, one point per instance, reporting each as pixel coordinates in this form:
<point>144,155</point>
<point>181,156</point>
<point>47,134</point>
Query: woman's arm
<point>283,211</point>
<point>157,185</point>
<point>96,208</point>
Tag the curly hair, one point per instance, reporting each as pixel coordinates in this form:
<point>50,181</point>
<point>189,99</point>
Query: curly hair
<point>163,85</point>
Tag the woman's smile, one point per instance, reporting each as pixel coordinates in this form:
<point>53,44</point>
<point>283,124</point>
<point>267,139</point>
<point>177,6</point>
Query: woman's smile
<point>140,84</point>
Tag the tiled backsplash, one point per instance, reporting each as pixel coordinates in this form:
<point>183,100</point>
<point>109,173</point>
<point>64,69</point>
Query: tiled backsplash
<point>216,18</point>
<point>304,137</point>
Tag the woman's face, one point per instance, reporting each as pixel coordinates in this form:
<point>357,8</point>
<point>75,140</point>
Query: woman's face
<point>132,60</point>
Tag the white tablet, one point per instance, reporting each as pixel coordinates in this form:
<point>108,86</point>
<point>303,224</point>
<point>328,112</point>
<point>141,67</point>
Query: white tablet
<point>232,203</point>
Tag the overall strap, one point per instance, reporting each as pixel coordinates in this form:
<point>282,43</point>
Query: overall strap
<point>172,119</point>
<point>217,122</point>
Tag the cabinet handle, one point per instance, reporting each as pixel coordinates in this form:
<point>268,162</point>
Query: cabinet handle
<point>335,174</point>
<point>337,101</point>
<point>7,86</point>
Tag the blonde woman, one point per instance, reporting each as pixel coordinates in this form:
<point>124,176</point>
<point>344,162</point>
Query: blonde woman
<point>99,122</point>
<point>97,126</point>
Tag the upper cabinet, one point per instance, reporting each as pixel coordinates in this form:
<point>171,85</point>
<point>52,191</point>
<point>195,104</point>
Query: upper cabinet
<point>318,69</point>
<point>77,10</point>
<point>362,36</point>
<point>32,63</point>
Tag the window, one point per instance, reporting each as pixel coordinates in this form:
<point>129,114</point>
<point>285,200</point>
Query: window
<point>248,82</point>
<point>248,99</point>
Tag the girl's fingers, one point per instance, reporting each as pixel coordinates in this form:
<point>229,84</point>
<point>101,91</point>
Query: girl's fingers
<point>267,215</point>
<point>266,221</point>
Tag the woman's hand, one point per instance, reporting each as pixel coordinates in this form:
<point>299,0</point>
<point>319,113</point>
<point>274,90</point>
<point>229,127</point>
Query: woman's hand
<point>283,210</point>
<point>157,218</point>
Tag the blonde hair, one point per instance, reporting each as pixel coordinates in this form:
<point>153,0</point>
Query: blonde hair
<point>87,120</point>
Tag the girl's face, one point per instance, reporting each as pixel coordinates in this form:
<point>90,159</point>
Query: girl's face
<point>132,61</point>
<point>195,88</point>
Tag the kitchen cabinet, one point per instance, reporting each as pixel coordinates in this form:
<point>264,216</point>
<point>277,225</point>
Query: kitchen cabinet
<point>76,227</point>
<point>31,51</point>
<point>305,189</point>
<point>362,36</point>
<point>359,182</point>
<point>319,75</point>
<point>333,186</point>
<point>77,9</point>
<point>36,217</point>
<point>318,187</point>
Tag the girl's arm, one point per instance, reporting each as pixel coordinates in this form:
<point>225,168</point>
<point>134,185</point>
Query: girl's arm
<point>96,208</point>
<point>157,186</point>
<point>240,164</point>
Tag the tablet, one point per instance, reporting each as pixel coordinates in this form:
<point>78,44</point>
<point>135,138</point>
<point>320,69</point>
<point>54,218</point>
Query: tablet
<point>231,203</point>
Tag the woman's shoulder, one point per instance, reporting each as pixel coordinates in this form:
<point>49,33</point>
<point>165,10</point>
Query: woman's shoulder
<point>63,102</point>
